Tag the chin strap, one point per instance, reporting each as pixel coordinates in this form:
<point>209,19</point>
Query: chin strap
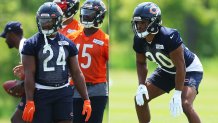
<point>46,42</point>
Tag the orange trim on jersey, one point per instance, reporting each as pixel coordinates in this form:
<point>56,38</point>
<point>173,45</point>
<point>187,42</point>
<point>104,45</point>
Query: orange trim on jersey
<point>93,55</point>
<point>70,28</point>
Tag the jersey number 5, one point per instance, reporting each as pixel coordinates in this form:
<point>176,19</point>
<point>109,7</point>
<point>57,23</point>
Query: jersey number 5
<point>86,54</point>
<point>60,60</point>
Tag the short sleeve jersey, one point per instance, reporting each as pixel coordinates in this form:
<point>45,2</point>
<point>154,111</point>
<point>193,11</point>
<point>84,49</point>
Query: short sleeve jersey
<point>164,42</point>
<point>93,54</point>
<point>70,28</point>
<point>51,61</point>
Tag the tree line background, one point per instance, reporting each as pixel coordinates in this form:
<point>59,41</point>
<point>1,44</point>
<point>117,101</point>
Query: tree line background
<point>196,20</point>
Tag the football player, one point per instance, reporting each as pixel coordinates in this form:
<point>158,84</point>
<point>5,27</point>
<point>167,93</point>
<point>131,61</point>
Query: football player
<point>69,8</point>
<point>13,34</point>
<point>178,67</point>
<point>48,57</point>
<point>92,44</point>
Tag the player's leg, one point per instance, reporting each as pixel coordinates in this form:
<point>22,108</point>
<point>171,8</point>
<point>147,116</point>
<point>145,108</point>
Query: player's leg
<point>143,112</point>
<point>98,104</point>
<point>157,84</point>
<point>77,110</point>
<point>17,116</point>
<point>63,106</point>
<point>188,95</point>
<point>43,106</point>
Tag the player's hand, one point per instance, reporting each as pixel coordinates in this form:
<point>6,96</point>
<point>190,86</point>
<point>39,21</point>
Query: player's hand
<point>28,111</point>
<point>19,71</point>
<point>87,109</point>
<point>142,90</point>
<point>176,104</point>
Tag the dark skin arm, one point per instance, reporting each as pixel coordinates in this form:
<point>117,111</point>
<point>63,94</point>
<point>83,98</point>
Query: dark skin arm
<point>141,67</point>
<point>78,77</point>
<point>177,57</point>
<point>29,71</point>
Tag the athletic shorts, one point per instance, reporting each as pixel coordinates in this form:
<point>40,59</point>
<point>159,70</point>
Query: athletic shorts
<point>53,105</point>
<point>22,103</point>
<point>98,104</point>
<point>166,81</point>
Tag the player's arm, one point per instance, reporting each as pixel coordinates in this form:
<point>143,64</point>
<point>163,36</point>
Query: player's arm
<point>141,66</point>
<point>29,71</point>
<point>177,57</point>
<point>78,77</point>
<point>29,84</point>
<point>142,71</point>
<point>80,85</point>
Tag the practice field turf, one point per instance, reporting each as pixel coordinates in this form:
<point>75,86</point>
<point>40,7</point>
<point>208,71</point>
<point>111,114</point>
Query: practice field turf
<point>123,89</point>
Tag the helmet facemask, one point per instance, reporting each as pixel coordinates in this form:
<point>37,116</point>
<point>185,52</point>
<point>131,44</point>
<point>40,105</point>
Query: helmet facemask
<point>87,17</point>
<point>49,18</point>
<point>150,12</point>
<point>152,27</point>
<point>92,14</point>
<point>46,25</point>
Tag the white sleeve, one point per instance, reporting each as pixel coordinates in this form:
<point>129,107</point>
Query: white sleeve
<point>21,47</point>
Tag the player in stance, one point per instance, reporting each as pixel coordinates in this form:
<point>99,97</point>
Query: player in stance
<point>13,34</point>
<point>178,67</point>
<point>48,57</point>
<point>69,8</point>
<point>92,44</point>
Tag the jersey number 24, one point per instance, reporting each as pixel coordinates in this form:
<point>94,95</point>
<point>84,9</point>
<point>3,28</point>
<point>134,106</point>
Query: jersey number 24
<point>61,60</point>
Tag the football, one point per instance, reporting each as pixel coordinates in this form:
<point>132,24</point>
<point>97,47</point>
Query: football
<point>14,88</point>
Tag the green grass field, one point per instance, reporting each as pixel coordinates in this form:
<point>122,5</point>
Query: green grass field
<point>123,89</point>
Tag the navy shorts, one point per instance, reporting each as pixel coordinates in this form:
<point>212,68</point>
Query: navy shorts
<point>22,103</point>
<point>98,104</point>
<point>166,81</point>
<point>53,105</point>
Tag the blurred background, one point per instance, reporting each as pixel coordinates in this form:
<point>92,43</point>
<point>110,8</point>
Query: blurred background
<point>197,22</point>
<point>23,11</point>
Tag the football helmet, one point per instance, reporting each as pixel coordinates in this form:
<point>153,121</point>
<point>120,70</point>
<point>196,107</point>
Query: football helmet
<point>150,12</point>
<point>69,7</point>
<point>92,13</point>
<point>49,18</point>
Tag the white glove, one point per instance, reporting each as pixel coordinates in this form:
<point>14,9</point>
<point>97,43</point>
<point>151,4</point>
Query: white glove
<point>176,104</point>
<point>142,89</point>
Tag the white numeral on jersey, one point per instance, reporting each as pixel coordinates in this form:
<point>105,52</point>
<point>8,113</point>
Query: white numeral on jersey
<point>61,58</point>
<point>45,63</point>
<point>85,54</point>
<point>159,59</point>
<point>60,61</point>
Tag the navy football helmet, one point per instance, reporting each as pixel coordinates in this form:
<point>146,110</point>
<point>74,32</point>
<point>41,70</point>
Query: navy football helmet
<point>49,18</point>
<point>92,13</point>
<point>150,12</point>
<point>69,7</point>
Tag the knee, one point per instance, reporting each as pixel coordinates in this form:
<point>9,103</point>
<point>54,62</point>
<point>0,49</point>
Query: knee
<point>145,100</point>
<point>186,105</point>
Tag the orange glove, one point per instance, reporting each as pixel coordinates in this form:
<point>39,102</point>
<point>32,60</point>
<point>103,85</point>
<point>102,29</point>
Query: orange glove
<point>87,109</point>
<point>28,111</point>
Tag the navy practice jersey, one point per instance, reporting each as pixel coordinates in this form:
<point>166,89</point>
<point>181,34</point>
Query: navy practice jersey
<point>164,42</point>
<point>51,62</point>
